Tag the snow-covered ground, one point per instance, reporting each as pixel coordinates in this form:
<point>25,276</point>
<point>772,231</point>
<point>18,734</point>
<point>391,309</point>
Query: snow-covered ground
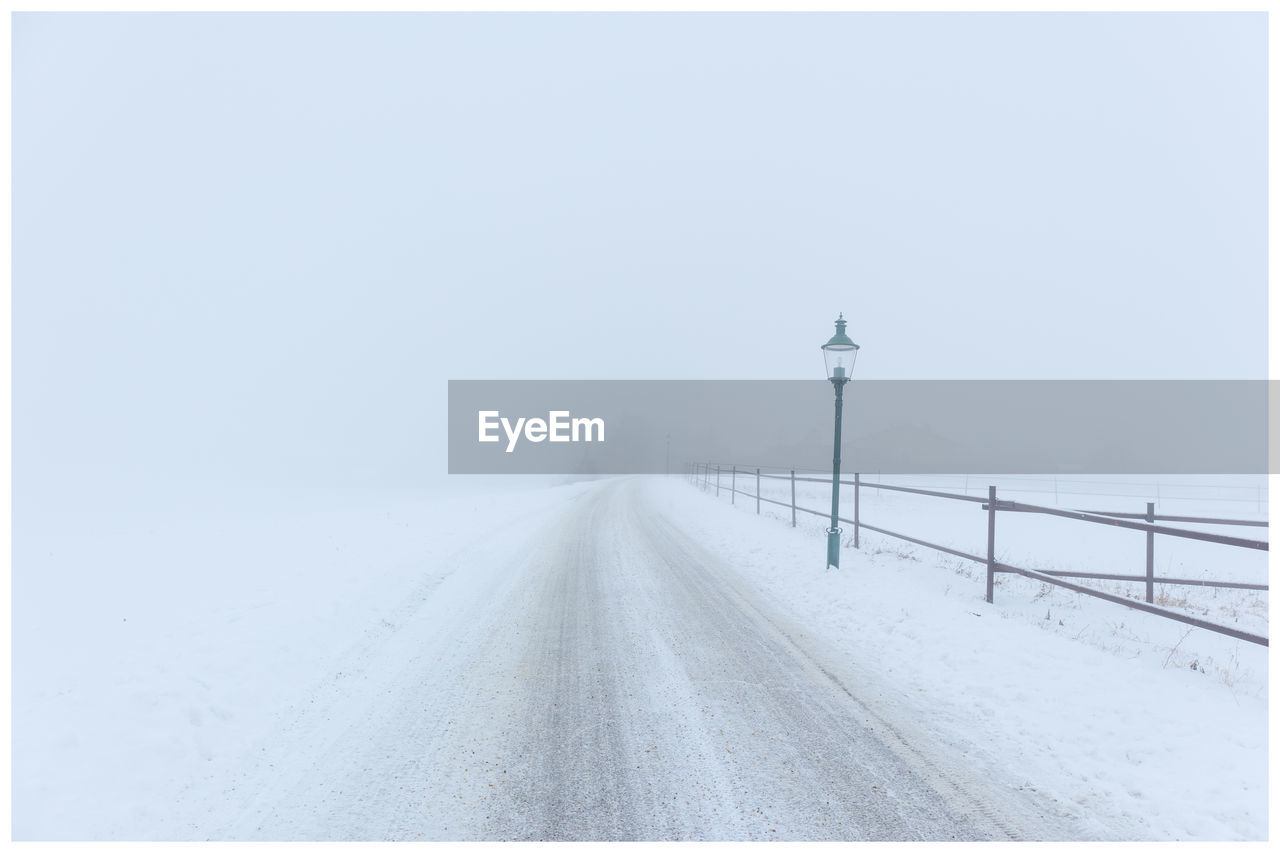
<point>155,648</point>
<point>234,669</point>
<point>1136,726</point>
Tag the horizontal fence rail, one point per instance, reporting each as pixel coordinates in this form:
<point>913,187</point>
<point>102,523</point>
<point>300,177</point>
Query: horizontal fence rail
<point>709,475</point>
<point>1186,519</point>
<point>1110,519</point>
<point>1136,605</point>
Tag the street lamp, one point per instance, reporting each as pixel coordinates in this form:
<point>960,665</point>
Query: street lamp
<point>839,353</point>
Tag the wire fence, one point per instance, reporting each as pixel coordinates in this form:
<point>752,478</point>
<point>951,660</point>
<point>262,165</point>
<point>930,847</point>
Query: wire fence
<point>718,477</point>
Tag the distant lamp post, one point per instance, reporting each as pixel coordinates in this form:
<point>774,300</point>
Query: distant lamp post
<point>839,353</point>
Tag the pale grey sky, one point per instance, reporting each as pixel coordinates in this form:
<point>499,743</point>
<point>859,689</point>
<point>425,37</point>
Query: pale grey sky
<point>255,247</point>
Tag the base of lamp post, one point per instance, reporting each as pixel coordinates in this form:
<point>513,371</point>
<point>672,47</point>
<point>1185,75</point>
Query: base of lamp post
<point>833,546</point>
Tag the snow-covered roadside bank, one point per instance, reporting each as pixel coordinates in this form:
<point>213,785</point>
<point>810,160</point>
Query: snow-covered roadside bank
<point>153,649</point>
<point>1093,711</point>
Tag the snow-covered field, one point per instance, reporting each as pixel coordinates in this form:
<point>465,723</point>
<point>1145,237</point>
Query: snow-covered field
<point>193,672</point>
<point>155,648</point>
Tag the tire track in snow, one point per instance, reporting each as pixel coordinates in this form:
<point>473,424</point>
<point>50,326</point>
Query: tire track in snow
<point>651,702</point>
<point>595,675</point>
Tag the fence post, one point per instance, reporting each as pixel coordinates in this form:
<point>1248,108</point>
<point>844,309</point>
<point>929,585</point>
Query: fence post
<point>717,481</point>
<point>991,543</point>
<point>733,486</point>
<point>857,482</point>
<point>757,491</point>
<point>793,497</point>
<point>1151,553</point>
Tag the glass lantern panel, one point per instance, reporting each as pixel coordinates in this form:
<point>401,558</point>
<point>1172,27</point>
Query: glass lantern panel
<point>839,361</point>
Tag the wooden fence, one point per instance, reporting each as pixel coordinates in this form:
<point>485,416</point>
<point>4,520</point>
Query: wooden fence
<point>719,477</point>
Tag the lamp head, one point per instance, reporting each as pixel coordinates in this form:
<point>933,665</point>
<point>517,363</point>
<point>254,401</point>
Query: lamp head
<point>840,353</point>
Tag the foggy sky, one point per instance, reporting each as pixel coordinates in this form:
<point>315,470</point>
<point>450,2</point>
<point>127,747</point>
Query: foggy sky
<point>253,248</point>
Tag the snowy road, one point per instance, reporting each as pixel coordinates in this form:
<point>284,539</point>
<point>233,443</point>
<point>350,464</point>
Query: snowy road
<point>595,674</point>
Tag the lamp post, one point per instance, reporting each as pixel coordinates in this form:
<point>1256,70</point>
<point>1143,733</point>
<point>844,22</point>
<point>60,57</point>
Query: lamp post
<point>839,353</point>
